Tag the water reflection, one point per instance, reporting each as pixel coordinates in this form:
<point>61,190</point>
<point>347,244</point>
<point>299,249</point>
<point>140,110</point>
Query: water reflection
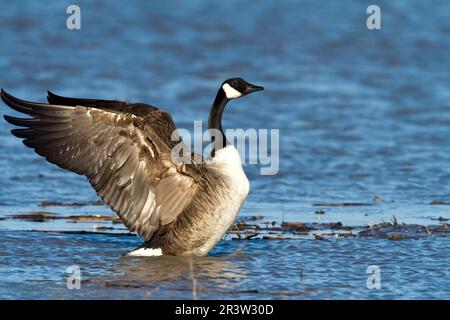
<point>196,274</point>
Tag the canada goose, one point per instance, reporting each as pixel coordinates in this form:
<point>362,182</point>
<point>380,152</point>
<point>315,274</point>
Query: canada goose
<point>124,149</point>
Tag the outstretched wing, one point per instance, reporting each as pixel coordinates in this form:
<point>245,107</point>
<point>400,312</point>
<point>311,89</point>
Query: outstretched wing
<point>125,155</point>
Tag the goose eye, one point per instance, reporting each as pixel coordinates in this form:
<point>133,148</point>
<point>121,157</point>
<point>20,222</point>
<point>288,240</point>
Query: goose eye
<point>234,83</point>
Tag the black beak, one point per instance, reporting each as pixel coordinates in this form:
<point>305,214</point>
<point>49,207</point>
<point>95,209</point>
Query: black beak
<point>252,88</point>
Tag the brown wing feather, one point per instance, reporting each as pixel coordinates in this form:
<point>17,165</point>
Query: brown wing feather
<point>158,119</point>
<point>125,157</point>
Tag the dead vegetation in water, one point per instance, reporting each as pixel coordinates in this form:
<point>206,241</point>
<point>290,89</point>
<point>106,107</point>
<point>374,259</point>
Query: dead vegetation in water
<point>286,230</point>
<point>81,232</point>
<point>400,231</point>
<point>441,219</point>
<point>392,230</point>
<point>37,216</point>
<point>375,200</point>
<point>93,218</point>
<point>343,204</point>
<point>42,216</point>
<point>71,204</point>
<point>255,227</point>
<point>439,203</point>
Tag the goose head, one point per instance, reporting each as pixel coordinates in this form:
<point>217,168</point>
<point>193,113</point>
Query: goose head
<point>238,87</point>
<point>232,88</point>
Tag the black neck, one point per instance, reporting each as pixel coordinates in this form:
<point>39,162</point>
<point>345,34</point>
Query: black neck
<point>215,119</point>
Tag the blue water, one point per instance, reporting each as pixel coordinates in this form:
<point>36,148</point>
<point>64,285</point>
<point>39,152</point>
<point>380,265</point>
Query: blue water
<point>360,112</point>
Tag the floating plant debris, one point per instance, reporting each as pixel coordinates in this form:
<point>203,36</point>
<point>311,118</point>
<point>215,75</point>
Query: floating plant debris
<point>439,203</point>
<point>294,226</point>
<point>343,204</point>
<point>254,228</point>
<point>43,216</point>
<point>277,238</point>
<point>72,204</point>
<point>441,219</point>
<point>252,218</point>
<point>389,230</point>
<point>92,217</point>
<point>397,231</point>
<point>86,232</point>
<point>38,216</point>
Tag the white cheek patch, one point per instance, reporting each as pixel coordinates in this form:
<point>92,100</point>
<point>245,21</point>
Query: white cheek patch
<point>230,92</point>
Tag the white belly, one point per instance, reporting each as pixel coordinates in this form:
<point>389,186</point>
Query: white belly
<point>228,162</point>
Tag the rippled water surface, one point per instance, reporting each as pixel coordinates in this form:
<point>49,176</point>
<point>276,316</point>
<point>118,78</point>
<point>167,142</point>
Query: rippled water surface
<point>361,113</point>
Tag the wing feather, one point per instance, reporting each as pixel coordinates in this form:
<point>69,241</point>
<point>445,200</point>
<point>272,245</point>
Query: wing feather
<point>123,150</point>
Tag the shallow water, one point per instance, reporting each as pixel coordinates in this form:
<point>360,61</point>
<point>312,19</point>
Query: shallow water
<point>35,265</point>
<point>361,113</point>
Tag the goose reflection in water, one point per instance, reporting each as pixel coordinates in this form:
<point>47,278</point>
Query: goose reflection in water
<point>179,273</point>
